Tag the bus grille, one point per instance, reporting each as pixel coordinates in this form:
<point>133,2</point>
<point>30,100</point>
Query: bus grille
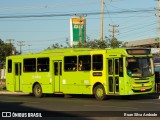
<point>136,91</point>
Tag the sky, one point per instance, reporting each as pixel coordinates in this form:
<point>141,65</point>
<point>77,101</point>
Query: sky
<point>136,20</point>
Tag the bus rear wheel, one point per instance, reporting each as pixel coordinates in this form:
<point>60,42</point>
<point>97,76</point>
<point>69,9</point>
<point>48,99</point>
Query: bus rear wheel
<point>37,90</point>
<point>99,92</point>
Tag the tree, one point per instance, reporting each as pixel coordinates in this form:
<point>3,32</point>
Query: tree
<point>56,45</point>
<point>106,43</point>
<point>114,43</point>
<point>96,43</point>
<point>5,50</point>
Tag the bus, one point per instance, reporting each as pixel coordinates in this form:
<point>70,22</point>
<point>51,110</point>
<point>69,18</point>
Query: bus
<point>98,72</point>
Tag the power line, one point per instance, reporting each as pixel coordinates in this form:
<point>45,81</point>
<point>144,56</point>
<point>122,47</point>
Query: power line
<point>135,35</point>
<point>141,27</point>
<point>73,14</point>
<point>66,19</point>
<point>109,14</point>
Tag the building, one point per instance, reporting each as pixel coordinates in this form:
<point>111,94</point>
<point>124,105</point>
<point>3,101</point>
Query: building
<point>149,43</point>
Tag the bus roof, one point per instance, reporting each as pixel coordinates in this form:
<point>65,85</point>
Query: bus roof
<point>67,51</point>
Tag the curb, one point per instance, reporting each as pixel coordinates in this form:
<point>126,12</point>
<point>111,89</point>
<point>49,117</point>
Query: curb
<point>12,93</point>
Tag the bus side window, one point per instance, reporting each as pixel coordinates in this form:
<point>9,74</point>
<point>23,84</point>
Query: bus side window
<point>16,69</point>
<point>43,64</point>
<point>80,65</point>
<point>9,66</point>
<point>56,68</point>
<point>116,63</point>
<point>84,63</point>
<point>110,67</point>
<point>98,62</point>
<point>70,63</point>
<point>121,67</point>
<point>29,65</point>
<point>60,68</point>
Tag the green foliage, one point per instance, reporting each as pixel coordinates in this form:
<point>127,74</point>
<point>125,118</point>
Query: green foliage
<point>114,43</point>
<point>5,50</point>
<point>56,45</point>
<point>107,43</point>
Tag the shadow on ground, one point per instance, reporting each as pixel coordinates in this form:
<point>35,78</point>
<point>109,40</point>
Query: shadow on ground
<point>17,110</point>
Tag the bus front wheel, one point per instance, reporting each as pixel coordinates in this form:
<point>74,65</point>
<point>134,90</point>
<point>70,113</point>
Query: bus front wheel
<point>37,90</point>
<point>99,92</point>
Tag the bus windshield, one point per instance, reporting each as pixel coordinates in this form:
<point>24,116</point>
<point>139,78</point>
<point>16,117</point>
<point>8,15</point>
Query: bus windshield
<point>140,67</point>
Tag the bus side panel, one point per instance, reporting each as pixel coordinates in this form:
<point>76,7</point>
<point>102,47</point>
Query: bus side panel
<point>46,82</point>
<point>122,87</point>
<point>27,81</point>
<point>77,82</point>
<point>100,78</point>
<point>43,78</point>
<point>10,82</point>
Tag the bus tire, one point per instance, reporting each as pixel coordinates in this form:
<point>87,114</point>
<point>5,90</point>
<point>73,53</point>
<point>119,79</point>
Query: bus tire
<point>37,90</point>
<point>99,92</point>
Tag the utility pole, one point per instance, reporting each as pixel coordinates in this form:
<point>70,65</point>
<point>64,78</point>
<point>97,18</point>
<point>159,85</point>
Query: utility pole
<point>102,20</point>
<point>113,33</point>
<point>80,30</point>
<point>113,30</point>
<point>20,45</point>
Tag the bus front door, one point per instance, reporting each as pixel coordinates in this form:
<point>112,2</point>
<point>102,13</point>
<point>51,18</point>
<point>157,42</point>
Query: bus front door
<point>57,65</point>
<point>113,76</point>
<point>17,73</point>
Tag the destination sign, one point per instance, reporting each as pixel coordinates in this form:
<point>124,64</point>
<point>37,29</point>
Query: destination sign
<point>138,51</point>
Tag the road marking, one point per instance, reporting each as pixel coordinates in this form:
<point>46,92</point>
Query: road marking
<point>110,106</point>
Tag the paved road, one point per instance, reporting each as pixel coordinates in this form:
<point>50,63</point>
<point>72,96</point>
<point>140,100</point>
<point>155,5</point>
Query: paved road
<point>84,107</point>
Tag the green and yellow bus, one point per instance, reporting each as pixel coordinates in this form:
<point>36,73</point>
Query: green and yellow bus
<point>98,72</point>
